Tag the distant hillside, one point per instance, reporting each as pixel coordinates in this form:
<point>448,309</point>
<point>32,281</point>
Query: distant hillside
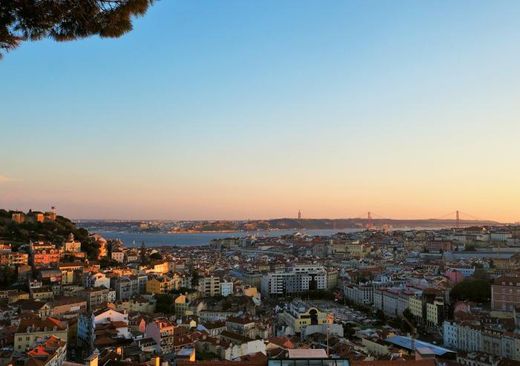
<point>290,223</point>
<point>55,231</point>
<point>274,224</point>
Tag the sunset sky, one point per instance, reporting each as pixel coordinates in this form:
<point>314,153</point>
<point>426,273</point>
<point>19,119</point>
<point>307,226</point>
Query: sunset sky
<point>254,109</point>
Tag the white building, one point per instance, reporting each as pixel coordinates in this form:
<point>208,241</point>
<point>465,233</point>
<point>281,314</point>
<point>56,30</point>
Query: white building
<point>359,294</point>
<point>392,301</point>
<point>71,245</point>
<point>209,286</point>
<point>88,322</point>
<point>462,337</point>
<point>98,280</point>
<point>240,346</point>
<point>226,288</point>
<point>500,236</point>
<point>110,315</point>
<point>118,256</point>
<point>299,278</point>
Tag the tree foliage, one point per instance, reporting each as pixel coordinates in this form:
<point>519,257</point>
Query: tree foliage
<point>156,256</point>
<point>318,295</point>
<point>477,290</point>
<point>165,304</point>
<point>7,276</point>
<point>65,20</point>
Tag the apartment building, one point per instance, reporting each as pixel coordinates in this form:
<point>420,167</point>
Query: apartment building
<point>474,336</point>
<point>427,308</point>
<point>13,259</point>
<point>44,254</point>
<point>296,279</point>
<point>32,329</point>
<point>128,286</point>
<point>89,322</point>
<point>161,330</point>
<point>505,293</point>
<point>97,280</point>
<point>118,256</point>
<point>159,285</point>
<point>391,301</point>
<point>362,294</point>
<point>51,352</point>
<point>209,286</point>
<point>96,296</point>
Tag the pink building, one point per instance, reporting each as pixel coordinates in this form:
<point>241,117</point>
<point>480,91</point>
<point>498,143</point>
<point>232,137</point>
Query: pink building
<point>454,276</point>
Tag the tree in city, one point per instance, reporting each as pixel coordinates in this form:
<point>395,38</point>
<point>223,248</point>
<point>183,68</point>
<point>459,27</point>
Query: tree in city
<point>195,277</point>
<point>470,248</point>
<point>477,290</point>
<point>165,304</point>
<point>144,259</point>
<point>66,20</point>
<point>380,315</point>
<point>7,276</point>
<point>156,256</point>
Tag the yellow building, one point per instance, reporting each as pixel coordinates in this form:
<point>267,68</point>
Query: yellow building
<point>139,304</point>
<point>332,278</point>
<point>339,248</point>
<point>159,285</point>
<point>13,295</point>
<point>157,267</point>
<point>434,312</point>
<point>42,293</point>
<point>182,306</point>
<point>300,315</point>
<point>415,304</point>
<point>355,249</point>
<point>68,271</point>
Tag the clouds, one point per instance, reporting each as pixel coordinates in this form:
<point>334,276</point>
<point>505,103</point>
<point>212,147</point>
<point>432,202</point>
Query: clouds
<point>4,179</point>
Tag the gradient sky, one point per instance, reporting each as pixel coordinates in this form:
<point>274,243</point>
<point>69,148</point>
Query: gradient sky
<point>255,109</point>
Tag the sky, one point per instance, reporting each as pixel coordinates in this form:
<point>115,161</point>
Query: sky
<point>255,109</point>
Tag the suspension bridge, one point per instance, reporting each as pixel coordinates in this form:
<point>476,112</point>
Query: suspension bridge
<point>459,219</point>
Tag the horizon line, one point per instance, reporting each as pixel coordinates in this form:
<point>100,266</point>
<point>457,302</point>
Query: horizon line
<point>301,219</point>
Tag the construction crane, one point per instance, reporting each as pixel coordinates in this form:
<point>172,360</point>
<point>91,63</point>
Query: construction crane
<point>413,333</point>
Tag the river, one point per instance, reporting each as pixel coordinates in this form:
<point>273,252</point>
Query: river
<point>134,239</point>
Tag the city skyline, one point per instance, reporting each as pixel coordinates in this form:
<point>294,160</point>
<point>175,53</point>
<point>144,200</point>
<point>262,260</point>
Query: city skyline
<point>259,183</point>
<point>455,216</point>
<point>238,110</point>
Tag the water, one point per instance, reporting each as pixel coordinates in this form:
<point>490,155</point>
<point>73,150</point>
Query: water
<point>134,239</point>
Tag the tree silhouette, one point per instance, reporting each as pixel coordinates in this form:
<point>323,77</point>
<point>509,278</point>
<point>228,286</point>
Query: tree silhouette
<point>477,290</point>
<point>65,20</point>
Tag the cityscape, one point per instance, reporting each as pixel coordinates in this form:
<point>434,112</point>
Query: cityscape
<point>259,183</point>
<point>366,296</point>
